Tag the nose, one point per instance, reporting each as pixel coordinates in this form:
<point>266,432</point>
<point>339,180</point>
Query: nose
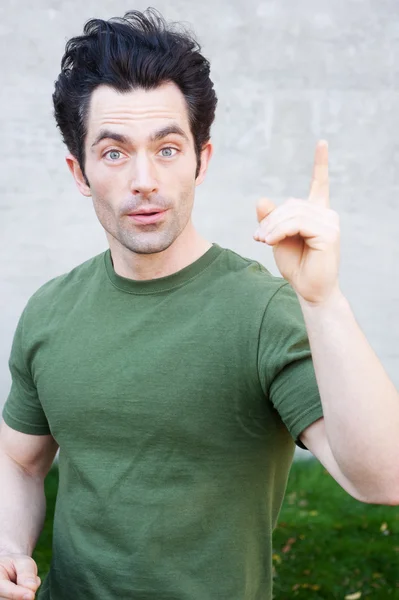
<point>144,176</point>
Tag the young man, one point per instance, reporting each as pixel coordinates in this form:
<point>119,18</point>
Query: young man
<point>174,375</point>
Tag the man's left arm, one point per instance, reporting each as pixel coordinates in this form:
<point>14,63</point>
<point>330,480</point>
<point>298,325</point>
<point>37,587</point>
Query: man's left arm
<point>357,439</point>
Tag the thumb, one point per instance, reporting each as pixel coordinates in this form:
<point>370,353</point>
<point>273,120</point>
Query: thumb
<point>26,570</point>
<point>263,208</point>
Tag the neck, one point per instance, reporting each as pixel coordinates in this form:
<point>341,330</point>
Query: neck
<point>186,249</point>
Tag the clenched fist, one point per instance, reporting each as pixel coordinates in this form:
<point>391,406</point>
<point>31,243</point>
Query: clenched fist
<point>18,577</point>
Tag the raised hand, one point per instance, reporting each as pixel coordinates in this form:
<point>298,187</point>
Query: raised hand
<point>305,236</point>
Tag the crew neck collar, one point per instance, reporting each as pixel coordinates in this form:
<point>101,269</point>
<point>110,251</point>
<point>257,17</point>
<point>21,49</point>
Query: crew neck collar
<point>161,284</point>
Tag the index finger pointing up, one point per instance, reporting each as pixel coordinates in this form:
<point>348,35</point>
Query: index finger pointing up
<point>319,188</point>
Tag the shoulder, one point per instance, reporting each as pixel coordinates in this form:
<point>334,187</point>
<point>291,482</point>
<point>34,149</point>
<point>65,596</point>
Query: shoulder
<point>246,293</point>
<point>64,286</point>
<point>250,275</point>
<point>260,294</point>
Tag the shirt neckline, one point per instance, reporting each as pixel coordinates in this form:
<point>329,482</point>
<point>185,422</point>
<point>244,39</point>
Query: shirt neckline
<point>161,284</point>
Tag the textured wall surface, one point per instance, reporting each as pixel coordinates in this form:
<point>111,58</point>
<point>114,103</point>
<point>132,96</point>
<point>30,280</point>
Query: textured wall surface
<point>286,73</point>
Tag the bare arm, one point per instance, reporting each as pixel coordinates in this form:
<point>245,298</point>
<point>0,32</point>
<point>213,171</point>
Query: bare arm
<point>360,432</point>
<point>24,462</point>
<point>22,508</point>
<point>358,438</point>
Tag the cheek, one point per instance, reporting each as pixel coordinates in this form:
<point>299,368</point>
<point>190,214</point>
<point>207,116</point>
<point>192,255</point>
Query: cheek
<point>185,174</point>
<point>101,176</point>
<point>104,192</point>
<point>102,198</point>
<point>106,185</point>
<point>187,192</point>
<point>103,209</point>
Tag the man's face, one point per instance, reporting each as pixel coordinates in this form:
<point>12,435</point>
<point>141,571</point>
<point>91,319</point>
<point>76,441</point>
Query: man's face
<point>141,164</point>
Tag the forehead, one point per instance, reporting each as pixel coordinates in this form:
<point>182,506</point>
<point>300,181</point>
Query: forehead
<point>139,110</point>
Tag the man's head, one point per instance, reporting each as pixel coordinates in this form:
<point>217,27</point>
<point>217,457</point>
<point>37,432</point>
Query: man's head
<point>135,104</point>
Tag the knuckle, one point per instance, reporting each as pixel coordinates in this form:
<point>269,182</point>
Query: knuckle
<point>333,235</point>
<point>8,590</point>
<point>27,563</point>
<point>292,201</point>
<point>334,216</point>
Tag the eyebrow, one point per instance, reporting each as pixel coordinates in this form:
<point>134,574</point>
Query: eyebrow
<point>154,137</point>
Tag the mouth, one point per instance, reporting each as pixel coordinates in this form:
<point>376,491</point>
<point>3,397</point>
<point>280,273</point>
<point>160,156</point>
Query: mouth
<point>147,216</point>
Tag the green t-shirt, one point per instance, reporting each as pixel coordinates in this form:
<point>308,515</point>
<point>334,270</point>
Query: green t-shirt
<point>176,403</point>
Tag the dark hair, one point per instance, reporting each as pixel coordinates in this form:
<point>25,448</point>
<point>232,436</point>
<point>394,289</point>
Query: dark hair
<point>139,50</point>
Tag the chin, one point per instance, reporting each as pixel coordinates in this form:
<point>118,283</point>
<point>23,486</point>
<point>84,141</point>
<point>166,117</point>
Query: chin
<point>148,243</point>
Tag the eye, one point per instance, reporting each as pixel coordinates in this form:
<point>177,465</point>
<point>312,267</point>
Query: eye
<point>169,155</point>
<point>113,154</point>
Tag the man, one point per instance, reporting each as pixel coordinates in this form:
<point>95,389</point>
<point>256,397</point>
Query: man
<point>174,375</point>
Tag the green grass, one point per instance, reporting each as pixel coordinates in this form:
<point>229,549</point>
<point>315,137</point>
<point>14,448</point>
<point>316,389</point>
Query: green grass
<point>327,545</point>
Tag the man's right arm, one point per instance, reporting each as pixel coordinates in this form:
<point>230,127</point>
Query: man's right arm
<point>24,463</point>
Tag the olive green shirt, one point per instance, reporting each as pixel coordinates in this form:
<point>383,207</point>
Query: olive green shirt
<point>176,403</point>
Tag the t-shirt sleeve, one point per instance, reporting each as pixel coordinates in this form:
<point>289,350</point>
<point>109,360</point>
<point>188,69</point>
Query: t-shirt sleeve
<point>285,363</point>
<point>23,410</point>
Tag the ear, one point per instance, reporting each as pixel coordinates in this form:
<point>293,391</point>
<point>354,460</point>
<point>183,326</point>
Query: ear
<point>206,154</point>
<point>76,171</point>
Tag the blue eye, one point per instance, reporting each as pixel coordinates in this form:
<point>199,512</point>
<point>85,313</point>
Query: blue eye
<point>169,155</point>
<point>114,154</point>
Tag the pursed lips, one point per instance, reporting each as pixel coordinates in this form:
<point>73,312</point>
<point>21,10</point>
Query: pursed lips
<point>147,215</point>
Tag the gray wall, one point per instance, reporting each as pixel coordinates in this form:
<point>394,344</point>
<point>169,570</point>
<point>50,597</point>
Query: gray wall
<point>286,73</point>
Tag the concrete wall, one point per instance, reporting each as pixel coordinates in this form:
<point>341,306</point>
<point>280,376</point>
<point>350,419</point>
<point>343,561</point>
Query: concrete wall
<point>286,73</point>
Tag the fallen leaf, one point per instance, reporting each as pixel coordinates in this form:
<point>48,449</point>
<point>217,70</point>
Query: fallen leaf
<point>288,545</point>
<point>306,586</point>
<point>354,596</point>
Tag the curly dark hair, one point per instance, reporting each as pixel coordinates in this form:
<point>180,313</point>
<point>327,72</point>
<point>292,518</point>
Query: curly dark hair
<point>140,50</point>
